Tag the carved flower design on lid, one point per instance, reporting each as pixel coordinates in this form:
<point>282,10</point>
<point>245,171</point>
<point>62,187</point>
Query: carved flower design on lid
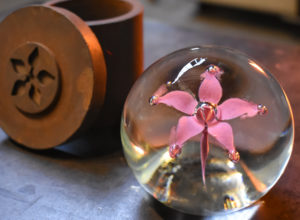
<point>25,70</point>
<point>34,77</point>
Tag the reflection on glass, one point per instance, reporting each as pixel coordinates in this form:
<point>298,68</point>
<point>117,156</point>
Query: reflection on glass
<point>264,142</point>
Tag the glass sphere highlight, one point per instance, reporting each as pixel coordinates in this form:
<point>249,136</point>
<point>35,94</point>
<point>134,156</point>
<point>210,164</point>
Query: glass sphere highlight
<point>207,130</point>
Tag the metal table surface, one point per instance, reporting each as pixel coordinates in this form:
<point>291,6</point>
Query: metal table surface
<point>79,181</point>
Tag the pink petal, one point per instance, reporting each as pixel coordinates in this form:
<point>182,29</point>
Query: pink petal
<point>204,152</point>
<point>222,132</point>
<point>213,70</point>
<point>180,100</point>
<point>172,137</point>
<point>210,89</point>
<point>235,107</point>
<point>161,90</point>
<point>188,127</point>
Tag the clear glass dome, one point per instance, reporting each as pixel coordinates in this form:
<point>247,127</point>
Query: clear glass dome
<point>196,134</point>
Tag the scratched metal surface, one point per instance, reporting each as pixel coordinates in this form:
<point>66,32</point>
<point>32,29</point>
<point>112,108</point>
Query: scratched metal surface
<point>83,181</point>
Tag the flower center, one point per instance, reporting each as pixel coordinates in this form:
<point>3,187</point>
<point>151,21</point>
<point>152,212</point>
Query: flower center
<point>206,111</point>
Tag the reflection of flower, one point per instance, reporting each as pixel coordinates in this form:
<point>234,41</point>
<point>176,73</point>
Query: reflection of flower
<point>29,79</point>
<point>206,116</point>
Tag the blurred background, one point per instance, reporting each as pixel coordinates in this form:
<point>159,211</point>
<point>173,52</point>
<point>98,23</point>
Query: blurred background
<point>269,19</point>
<point>272,20</point>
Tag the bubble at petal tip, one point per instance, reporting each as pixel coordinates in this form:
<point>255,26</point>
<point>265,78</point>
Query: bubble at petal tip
<point>153,100</point>
<point>174,151</point>
<point>262,110</point>
<point>234,157</point>
<point>213,69</point>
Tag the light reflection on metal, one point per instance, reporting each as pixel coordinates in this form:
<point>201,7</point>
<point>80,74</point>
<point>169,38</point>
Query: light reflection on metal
<point>193,63</point>
<point>257,67</point>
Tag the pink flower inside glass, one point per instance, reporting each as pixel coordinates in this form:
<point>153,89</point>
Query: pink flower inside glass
<point>205,116</point>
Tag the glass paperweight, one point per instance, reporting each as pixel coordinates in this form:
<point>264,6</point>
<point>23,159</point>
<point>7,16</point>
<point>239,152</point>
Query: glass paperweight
<point>207,130</point>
